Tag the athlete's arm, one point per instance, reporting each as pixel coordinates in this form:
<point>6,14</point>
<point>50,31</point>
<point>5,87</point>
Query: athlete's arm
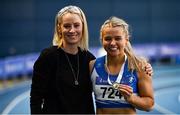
<point>145,99</point>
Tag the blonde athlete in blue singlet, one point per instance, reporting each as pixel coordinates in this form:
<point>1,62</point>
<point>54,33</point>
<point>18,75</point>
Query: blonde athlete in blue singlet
<point>120,83</point>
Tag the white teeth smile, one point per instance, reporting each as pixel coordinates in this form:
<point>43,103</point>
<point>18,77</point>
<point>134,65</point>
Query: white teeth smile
<point>72,36</point>
<point>113,49</point>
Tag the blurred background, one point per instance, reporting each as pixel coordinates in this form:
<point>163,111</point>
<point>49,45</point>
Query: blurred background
<point>27,26</point>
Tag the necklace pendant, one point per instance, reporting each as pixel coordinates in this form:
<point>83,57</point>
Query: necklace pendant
<point>76,82</point>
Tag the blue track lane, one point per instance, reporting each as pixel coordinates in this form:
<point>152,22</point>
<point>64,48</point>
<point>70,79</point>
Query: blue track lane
<point>10,94</point>
<point>166,83</point>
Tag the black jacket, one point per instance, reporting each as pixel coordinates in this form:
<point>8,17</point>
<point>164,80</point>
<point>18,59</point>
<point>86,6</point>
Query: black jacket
<point>53,89</point>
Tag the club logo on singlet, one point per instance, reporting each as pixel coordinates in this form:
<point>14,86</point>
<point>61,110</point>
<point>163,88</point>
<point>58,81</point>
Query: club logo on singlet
<point>128,79</point>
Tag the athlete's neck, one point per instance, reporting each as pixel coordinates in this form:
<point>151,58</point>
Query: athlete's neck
<point>115,60</point>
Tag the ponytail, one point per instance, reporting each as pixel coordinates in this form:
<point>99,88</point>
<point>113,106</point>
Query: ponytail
<point>134,62</point>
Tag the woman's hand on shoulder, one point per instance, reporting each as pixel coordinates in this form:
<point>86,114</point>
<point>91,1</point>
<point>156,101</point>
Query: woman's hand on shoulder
<point>148,69</point>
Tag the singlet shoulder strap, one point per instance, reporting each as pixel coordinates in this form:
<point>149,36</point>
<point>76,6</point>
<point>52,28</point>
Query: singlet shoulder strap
<point>99,65</point>
<point>100,60</point>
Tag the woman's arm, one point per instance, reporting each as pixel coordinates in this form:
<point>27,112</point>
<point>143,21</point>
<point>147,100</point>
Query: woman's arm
<point>145,99</point>
<point>91,65</point>
<point>41,72</point>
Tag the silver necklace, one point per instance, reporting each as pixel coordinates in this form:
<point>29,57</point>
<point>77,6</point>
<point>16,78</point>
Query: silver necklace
<point>73,72</point>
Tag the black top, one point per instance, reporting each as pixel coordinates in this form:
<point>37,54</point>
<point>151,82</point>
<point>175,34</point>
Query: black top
<point>53,89</point>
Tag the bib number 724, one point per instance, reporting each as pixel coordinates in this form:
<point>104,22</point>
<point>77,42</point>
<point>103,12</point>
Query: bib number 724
<point>110,93</point>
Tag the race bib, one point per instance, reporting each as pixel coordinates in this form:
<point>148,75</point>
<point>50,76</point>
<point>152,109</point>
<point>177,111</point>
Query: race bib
<point>107,92</point>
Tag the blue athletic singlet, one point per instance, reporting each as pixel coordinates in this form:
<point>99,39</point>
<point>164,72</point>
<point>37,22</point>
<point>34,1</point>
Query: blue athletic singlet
<point>105,95</point>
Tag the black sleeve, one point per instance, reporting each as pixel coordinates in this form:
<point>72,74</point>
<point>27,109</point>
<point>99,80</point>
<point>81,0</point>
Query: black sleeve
<point>41,74</point>
<point>90,56</point>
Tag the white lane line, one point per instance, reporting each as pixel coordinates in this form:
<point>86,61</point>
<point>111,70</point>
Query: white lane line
<point>163,110</point>
<point>159,108</point>
<point>179,98</point>
<point>15,101</point>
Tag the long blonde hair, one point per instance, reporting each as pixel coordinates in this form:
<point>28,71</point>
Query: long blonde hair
<point>57,38</point>
<point>133,60</point>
